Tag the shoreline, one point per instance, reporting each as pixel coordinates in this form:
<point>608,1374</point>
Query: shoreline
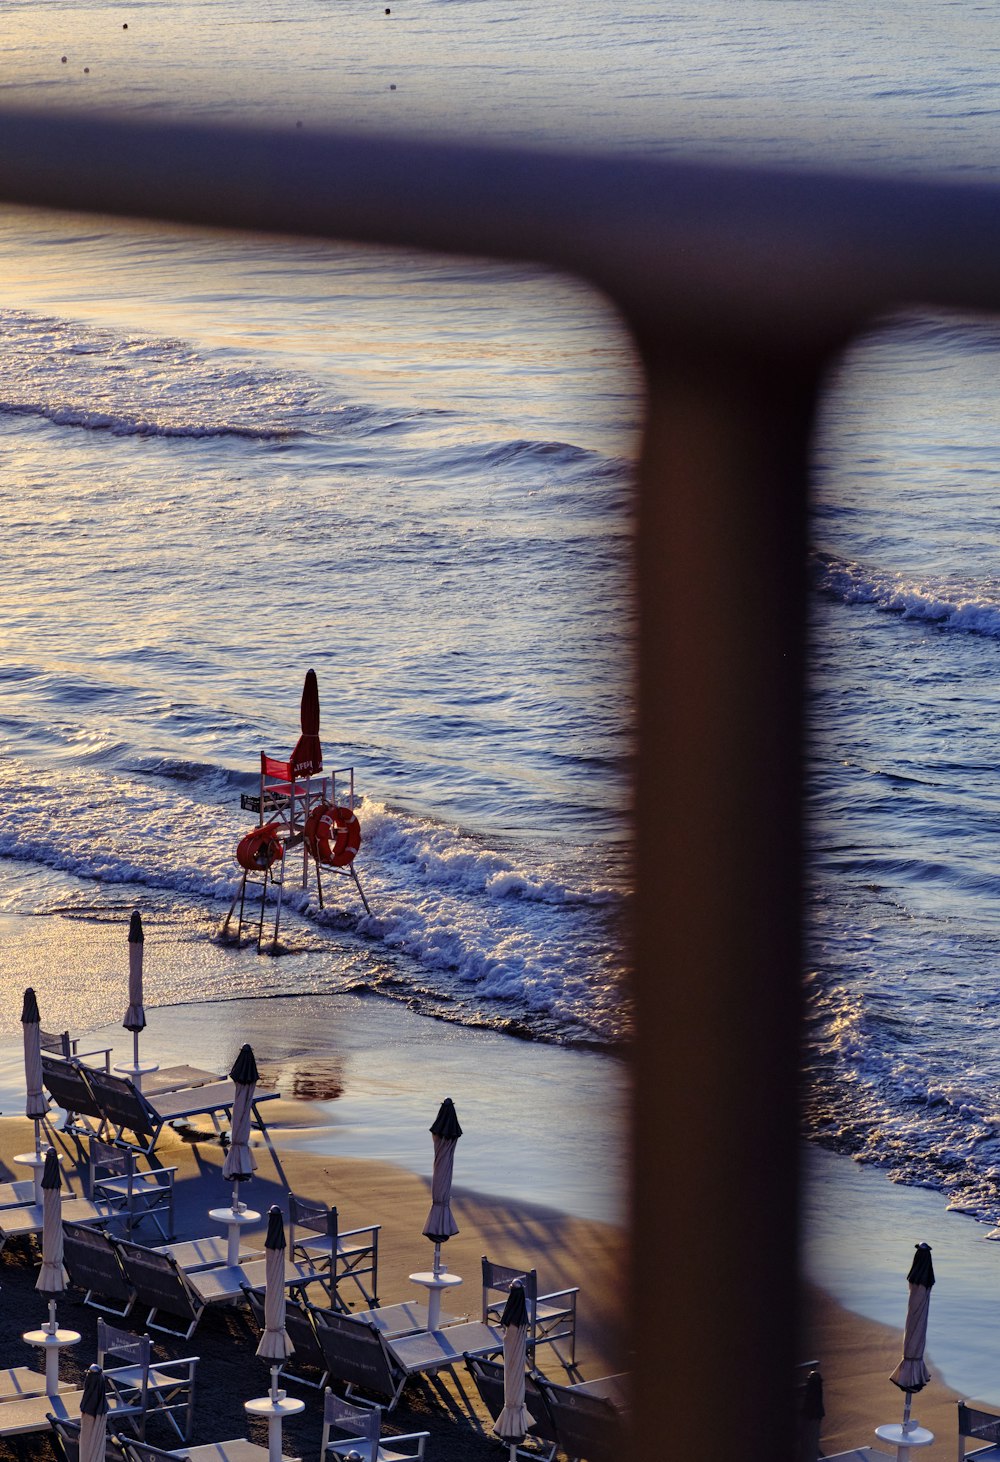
<point>365,1076</point>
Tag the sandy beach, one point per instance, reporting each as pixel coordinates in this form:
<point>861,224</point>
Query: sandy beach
<point>565,1250</point>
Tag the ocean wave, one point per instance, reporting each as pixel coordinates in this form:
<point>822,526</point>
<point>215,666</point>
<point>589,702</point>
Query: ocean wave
<point>948,607</point>
<point>123,425</point>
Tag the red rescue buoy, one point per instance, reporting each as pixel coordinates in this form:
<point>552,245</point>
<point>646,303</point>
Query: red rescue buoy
<point>260,848</point>
<point>333,835</point>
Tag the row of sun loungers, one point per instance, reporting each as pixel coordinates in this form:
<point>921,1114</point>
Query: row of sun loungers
<point>99,1103</point>
<point>370,1353</point>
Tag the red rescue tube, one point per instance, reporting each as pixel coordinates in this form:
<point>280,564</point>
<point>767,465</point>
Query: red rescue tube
<point>260,848</point>
<point>333,835</point>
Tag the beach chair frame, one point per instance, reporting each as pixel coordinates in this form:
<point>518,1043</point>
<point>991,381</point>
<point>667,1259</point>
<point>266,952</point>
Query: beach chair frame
<point>67,1085</point>
<point>314,1235</point>
<point>585,1425</point>
<point>551,1317</point>
<point>363,1428</point>
<point>161,1285</point>
<point>143,1388</point>
<point>974,1424</point>
<point>487,1374</point>
<point>126,1110</point>
<point>116,1181</point>
<point>358,1358</point>
<point>94,1265</point>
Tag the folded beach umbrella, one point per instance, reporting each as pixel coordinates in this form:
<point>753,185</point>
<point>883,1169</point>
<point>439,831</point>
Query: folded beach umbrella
<point>912,1374</point>
<point>93,1417</point>
<point>52,1276</point>
<point>515,1419</point>
<point>440,1225</point>
<point>274,1343</point>
<point>135,1015</point>
<point>240,1162</point>
<point>36,1105</point>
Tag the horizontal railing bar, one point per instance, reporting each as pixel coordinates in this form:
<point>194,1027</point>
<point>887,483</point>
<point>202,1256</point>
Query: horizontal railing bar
<point>783,257</point>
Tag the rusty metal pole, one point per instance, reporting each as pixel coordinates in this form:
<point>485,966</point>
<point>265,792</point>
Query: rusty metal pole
<point>720,549</point>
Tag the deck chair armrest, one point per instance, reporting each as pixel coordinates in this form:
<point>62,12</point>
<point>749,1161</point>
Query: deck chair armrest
<point>405,1436</point>
<point>560,1294</point>
<point>190,1361</point>
<point>77,1055</point>
<point>350,1233</point>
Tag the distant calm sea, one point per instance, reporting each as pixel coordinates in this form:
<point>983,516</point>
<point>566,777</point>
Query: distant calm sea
<point>225,459</point>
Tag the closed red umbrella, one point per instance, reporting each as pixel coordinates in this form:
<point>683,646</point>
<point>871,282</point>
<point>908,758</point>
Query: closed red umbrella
<point>307,758</point>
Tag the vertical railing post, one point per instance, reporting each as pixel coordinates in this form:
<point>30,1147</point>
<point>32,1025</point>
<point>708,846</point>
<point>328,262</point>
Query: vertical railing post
<point>720,558</point>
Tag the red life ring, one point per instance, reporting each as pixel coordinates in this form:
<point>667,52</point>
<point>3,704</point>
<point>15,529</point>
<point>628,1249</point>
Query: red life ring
<point>333,835</point>
<point>260,848</point>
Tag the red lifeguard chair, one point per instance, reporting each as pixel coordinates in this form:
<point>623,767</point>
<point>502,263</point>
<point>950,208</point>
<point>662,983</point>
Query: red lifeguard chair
<point>298,806</point>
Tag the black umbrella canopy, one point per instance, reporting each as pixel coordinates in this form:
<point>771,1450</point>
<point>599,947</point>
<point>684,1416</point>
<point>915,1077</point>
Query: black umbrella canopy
<point>275,1229</point>
<point>29,1010</point>
<point>922,1270</point>
<point>515,1311</point>
<point>135,934</point>
<point>51,1176</point>
<point>446,1122</point>
<point>94,1401</point>
<point>244,1071</point>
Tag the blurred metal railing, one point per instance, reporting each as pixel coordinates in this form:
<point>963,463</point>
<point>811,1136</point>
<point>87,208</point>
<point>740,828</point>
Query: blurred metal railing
<point>739,286</point>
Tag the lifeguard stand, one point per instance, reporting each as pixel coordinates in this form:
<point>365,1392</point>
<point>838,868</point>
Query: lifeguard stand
<point>299,806</point>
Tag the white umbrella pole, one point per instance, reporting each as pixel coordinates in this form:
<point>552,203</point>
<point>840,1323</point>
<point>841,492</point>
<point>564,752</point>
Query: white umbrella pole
<point>52,1352</point>
<point>437,1258</point>
<point>38,1147</point>
<point>135,1049</point>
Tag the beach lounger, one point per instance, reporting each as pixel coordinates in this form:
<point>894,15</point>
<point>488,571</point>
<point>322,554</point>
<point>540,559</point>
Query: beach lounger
<point>551,1317</point>
<point>142,1387</point>
<point>18,1193</point>
<point>117,1184</point>
<point>314,1235</point>
<point>488,1377</point>
<point>178,1078</point>
<point>93,1265</point>
<point>407,1318</point>
<point>979,1426</point>
<point>359,1430</point>
<point>20,1381</point>
<point>162,1287</point>
<point>588,1426</point>
<point>126,1110</point>
<point>210,1253</point>
<point>36,1413</point>
<point>69,1088</point>
<point>238,1450</point>
<point>67,1047</point>
<point>225,1284</point>
<point>301,1332</point>
<point>359,1356</point>
<point>26,1222</point>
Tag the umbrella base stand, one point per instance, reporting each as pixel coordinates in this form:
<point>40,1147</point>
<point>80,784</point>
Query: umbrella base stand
<point>903,1437</point>
<point>51,1342</point>
<point>36,1162</point>
<point>275,1410</point>
<point>435,1281</point>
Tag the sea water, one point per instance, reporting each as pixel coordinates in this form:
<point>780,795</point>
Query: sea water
<point>228,458</point>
